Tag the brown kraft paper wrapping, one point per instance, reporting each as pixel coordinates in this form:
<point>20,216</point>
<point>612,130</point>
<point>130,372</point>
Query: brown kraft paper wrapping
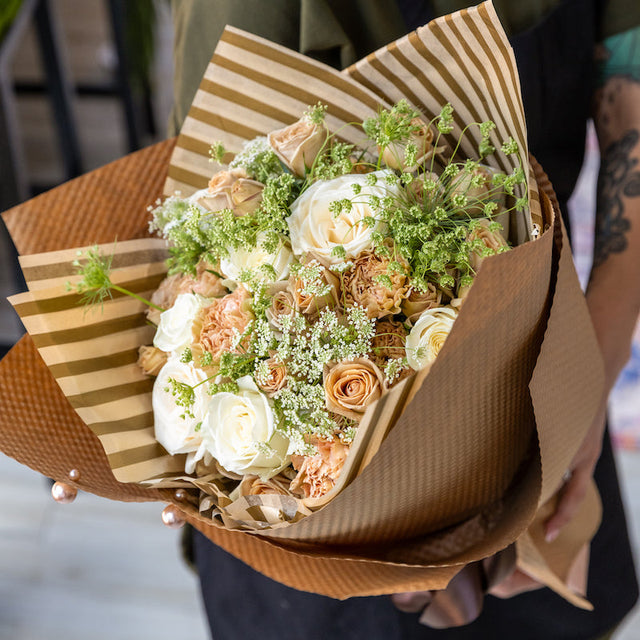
<point>417,514</point>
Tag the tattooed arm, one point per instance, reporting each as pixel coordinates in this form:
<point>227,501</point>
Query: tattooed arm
<point>613,293</point>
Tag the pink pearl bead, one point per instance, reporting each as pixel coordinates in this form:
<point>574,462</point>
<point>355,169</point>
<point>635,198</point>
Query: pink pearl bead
<point>63,493</point>
<point>74,475</point>
<point>172,517</point>
<point>180,495</point>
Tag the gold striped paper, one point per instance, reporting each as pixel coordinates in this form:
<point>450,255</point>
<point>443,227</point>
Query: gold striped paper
<point>92,353</point>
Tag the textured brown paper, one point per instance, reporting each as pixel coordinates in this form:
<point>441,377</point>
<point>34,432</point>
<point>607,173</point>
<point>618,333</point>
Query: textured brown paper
<point>425,505</point>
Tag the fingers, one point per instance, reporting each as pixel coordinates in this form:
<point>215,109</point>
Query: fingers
<point>571,495</point>
<point>518,582</point>
<point>411,602</point>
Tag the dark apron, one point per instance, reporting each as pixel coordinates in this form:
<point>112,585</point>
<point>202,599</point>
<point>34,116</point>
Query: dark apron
<point>554,61</point>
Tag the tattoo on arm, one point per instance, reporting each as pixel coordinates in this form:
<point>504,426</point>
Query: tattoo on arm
<point>618,73</point>
<point>619,178</point>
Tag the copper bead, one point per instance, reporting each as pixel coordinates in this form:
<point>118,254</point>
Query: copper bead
<point>74,475</point>
<point>63,493</point>
<point>172,517</point>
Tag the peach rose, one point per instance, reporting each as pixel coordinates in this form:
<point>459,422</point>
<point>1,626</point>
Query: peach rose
<point>317,474</point>
<point>164,296</point>
<point>151,360</point>
<point>491,239</point>
<point>282,303</point>
<point>462,293</point>
<point>298,144</point>
<point>205,283</point>
<point>232,189</point>
<point>394,154</point>
<point>351,386</point>
<point>418,301</point>
<point>360,287</point>
<point>276,378</point>
<point>476,194</point>
<point>219,320</point>
<point>309,304</point>
<point>419,186</point>
<point>253,486</point>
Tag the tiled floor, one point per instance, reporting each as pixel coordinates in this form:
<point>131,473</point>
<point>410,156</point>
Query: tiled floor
<point>95,569</point>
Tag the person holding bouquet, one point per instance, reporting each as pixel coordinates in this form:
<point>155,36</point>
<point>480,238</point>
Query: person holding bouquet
<point>573,56</point>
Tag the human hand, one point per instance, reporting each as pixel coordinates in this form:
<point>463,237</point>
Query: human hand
<point>581,470</point>
<point>411,602</point>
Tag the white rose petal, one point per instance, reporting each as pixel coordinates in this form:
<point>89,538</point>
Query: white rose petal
<point>240,260</point>
<point>428,335</point>
<point>236,429</point>
<point>174,331</point>
<point>313,227</point>
<point>174,433</point>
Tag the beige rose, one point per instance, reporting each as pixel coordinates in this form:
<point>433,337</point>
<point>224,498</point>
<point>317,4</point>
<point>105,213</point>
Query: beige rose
<point>418,301</point>
<point>428,336</point>
<point>309,304</point>
<point>492,240</point>
<point>394,154</point>
<point>462,294</point>
<point>164,296</point>
<point>298,144</point>
<point>477,195</point>
<point>317,474</point>
<point>253,486</point>
<point>276,378</point>
<point>420,188</point>
<point>151,360</point>
<point>232,189</point>
<point>360,287</point>
<point>206,283</point>
<point>282,304</point>
<point>246,196</point>
<point>351,386</point>
<point>220,321</point>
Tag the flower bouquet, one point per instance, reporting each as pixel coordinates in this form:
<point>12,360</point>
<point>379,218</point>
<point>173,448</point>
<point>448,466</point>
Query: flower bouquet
<point>299,416</point>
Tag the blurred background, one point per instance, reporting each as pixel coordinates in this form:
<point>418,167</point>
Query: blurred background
<point>82,83</point>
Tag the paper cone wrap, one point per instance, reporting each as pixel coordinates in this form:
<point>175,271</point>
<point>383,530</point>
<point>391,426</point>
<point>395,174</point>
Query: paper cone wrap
<point>464,470</point>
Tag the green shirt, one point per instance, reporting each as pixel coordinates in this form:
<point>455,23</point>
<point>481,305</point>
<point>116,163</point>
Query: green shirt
<point>337,32</point>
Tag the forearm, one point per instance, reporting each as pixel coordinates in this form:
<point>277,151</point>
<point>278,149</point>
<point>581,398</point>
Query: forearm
<point>613,294</point>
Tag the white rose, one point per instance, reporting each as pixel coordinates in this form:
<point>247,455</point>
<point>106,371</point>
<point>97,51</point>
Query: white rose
<point>314,228</point>
<point>428,335</point>
<point>176,428</point>
<point>174,331</point>
<point>236,429</point>
<point>240,260</point>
